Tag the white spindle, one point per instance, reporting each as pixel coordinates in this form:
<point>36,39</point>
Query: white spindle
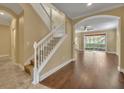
<point>40,54</point>
<point>35,55</point>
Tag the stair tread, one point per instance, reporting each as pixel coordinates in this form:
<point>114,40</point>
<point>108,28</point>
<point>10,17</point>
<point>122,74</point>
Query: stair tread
<point>29,69</point>
<point>29,66</point>
<point>32,62</point>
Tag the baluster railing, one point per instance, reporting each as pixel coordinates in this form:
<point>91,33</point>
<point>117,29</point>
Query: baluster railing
<point>41,50</point>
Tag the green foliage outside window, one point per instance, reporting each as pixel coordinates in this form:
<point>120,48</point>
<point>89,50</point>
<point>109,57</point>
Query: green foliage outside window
<point>95,42</point>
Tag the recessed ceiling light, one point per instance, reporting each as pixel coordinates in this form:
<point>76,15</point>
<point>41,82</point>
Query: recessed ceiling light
<point>1,13</point>
<point>89,4</point>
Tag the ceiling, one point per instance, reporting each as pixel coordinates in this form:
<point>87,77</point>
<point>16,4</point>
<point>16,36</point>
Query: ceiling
<point>13,6</point>
<point>76,10</point>
<point>97,24</point>
<point>5,19</point>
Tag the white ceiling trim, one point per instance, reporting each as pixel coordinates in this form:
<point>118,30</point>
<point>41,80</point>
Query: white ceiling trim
<point>15,7</point>
<point>94,17</point>
<point>5,19</point>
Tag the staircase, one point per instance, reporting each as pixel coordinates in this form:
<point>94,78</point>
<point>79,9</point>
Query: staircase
<point>43,54</point>
<point>45,48</point>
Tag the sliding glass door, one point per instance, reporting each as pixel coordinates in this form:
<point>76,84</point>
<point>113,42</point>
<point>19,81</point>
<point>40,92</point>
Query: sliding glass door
<point>96,42</point>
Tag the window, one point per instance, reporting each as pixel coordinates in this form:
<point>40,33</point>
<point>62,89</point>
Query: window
<point>95,42</point>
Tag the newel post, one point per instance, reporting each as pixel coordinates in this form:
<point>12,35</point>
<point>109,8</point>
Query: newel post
<point>35,69</point>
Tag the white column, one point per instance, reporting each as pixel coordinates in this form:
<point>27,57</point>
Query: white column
<point>35,70</point>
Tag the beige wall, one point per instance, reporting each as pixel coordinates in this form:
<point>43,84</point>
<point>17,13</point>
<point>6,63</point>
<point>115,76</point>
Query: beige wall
<point>31,28</point>
<point>119,13</point>
<point>64,53</point>
<point>5,35</point>
<point>79,43</point>
<point>111,41</point>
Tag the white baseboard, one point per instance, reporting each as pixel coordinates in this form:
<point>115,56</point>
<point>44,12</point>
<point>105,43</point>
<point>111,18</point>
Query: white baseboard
<point>7,57</point>
<point>4,57</point>
<point>17,64</point>
<point>120,69</point>
<point>79,49</point>
<point>20,66</point>
<point>55,69</point>
<point>111,52</point>
<point>28,60</point>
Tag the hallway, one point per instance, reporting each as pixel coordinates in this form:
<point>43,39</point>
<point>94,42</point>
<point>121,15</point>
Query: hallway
<point>12,76</point>
<point>91,70</point>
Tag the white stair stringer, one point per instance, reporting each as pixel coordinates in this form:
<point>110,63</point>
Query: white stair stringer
<point>41,12</point>
<point>51,54</point>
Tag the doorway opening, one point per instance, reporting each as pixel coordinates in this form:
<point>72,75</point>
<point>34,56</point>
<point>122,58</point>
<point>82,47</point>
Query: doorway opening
<point>98,33</point>
<point>8,36</point>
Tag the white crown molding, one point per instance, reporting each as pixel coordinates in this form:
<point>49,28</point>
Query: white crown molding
<point>102,10</point>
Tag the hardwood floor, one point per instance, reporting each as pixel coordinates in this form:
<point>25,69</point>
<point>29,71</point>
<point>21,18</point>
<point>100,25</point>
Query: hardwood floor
<point>91,70</point>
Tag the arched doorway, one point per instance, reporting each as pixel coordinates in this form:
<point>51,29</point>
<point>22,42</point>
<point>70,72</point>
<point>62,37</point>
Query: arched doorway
<point>6,33</point>
<point>90,29</point>
<point>10,16</point>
